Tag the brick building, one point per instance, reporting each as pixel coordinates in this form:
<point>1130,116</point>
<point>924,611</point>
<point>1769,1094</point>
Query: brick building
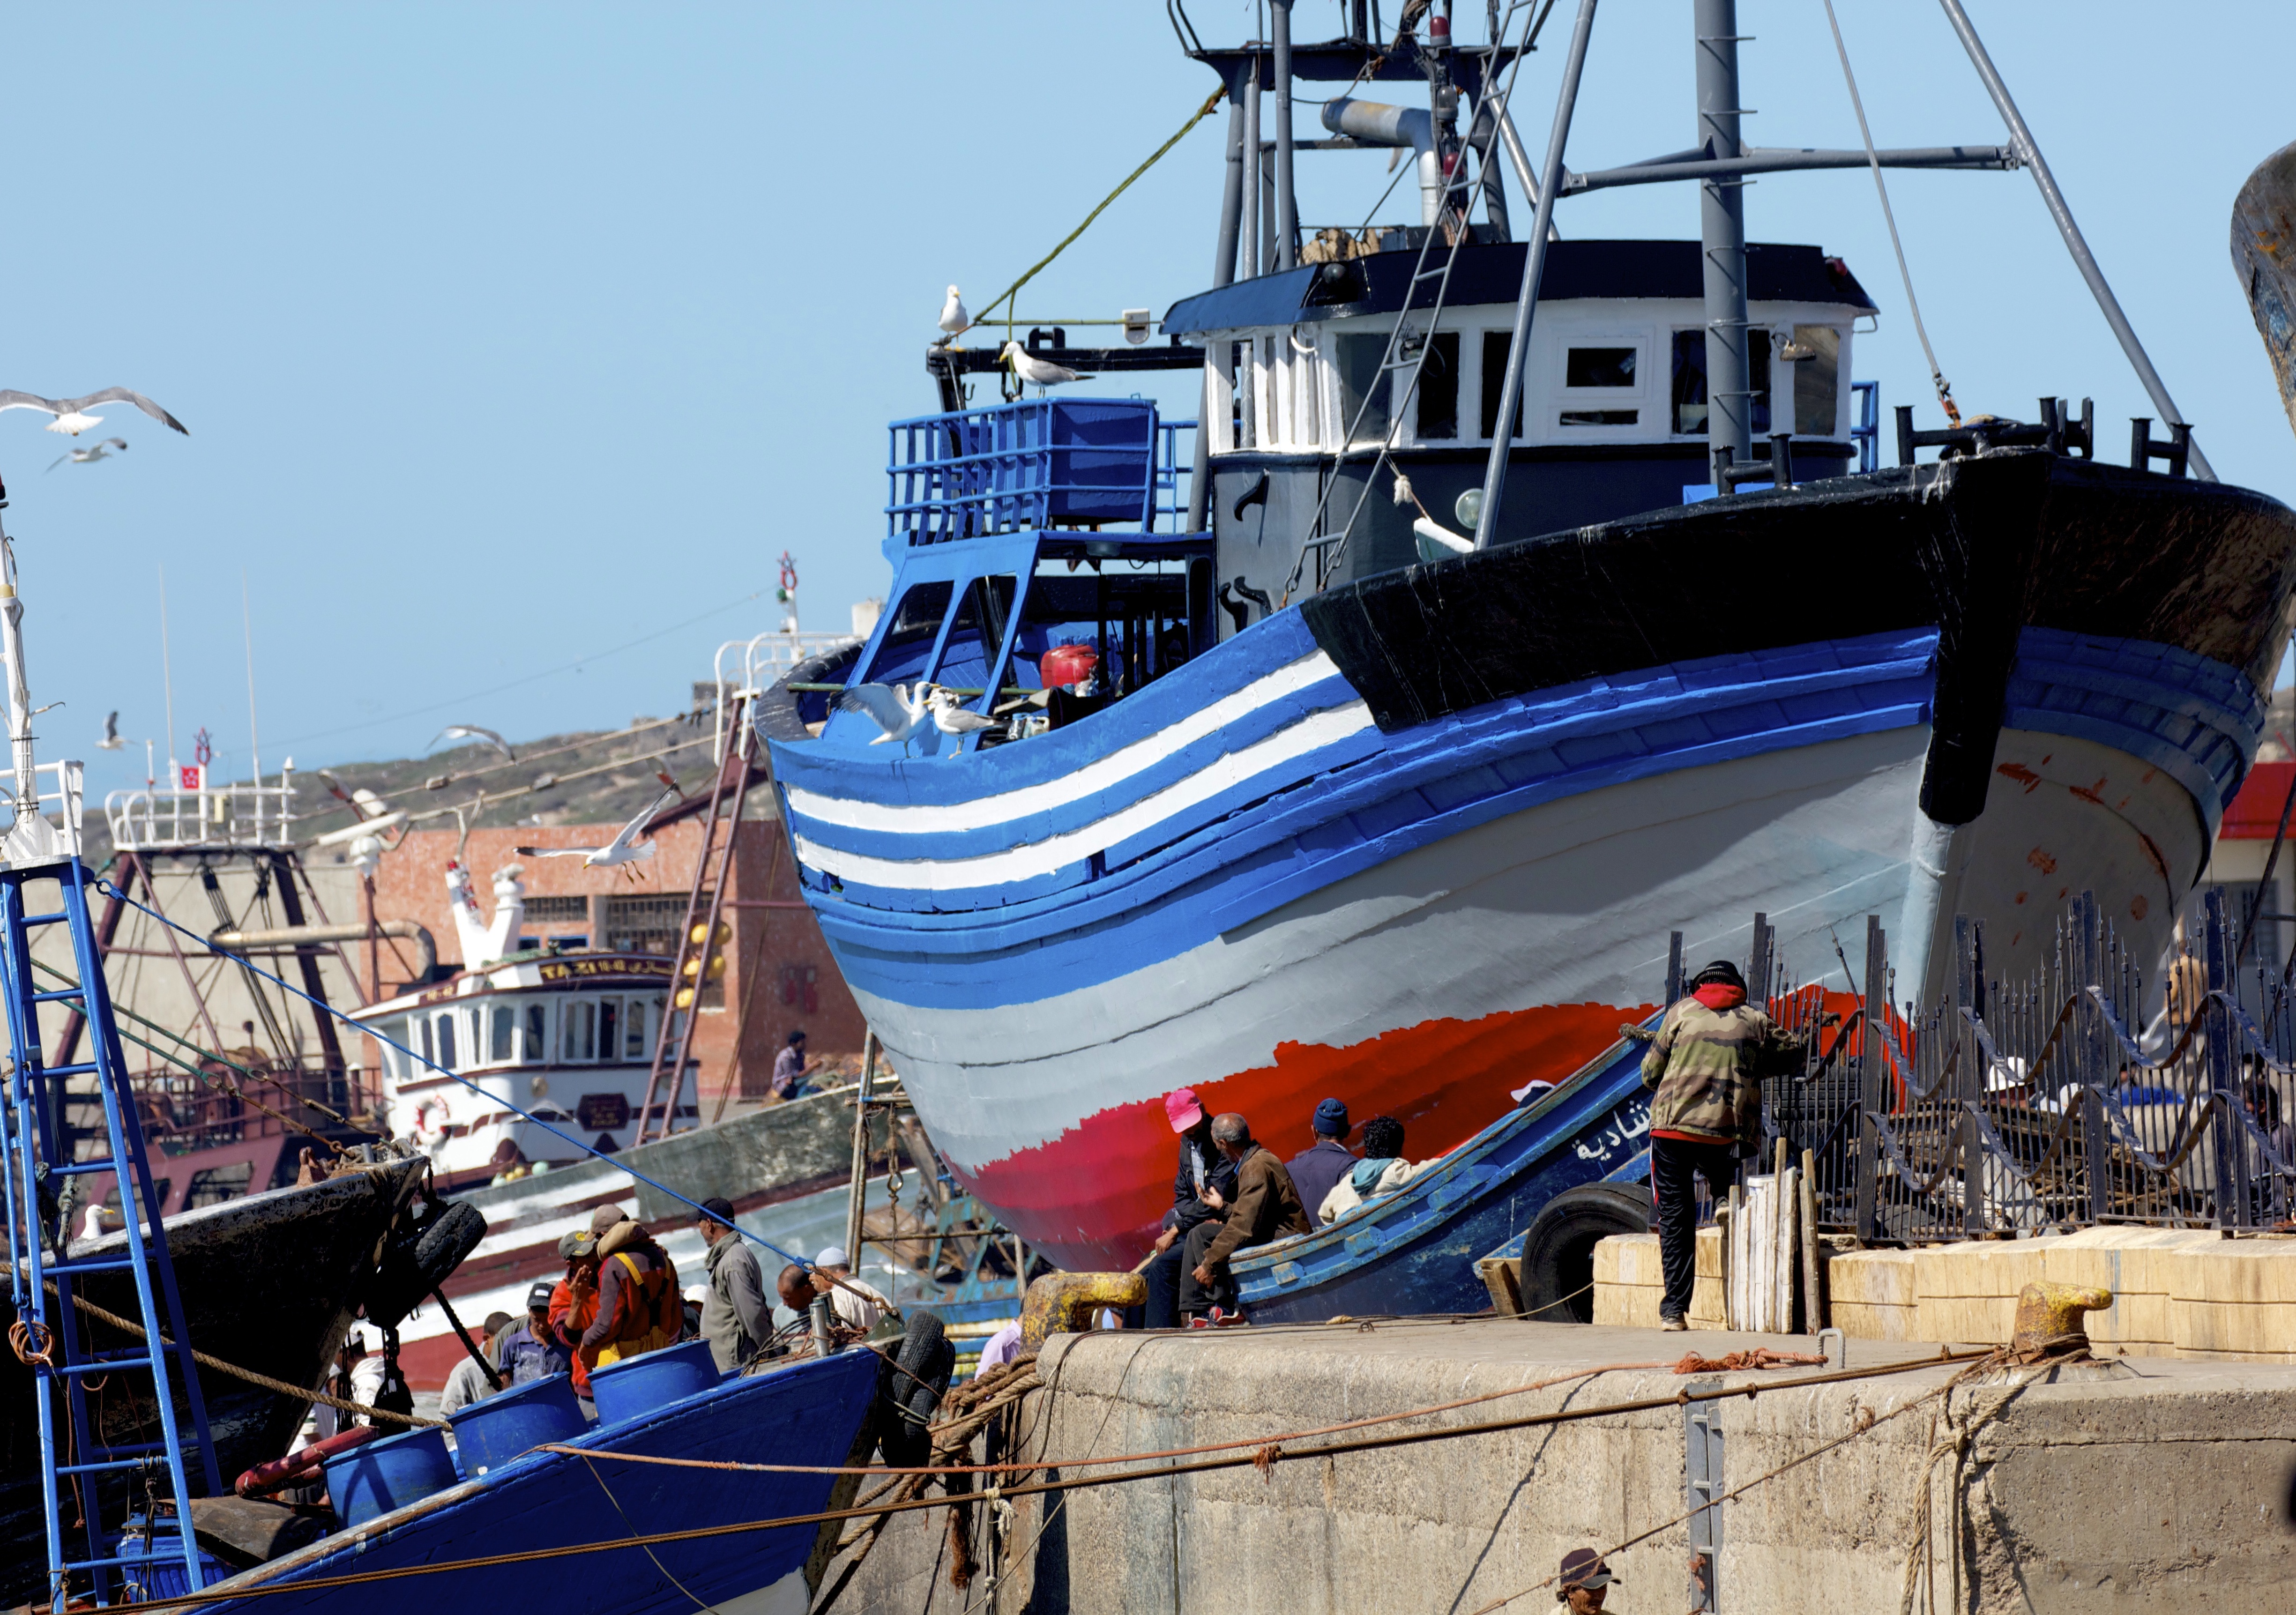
<point>779,974</point>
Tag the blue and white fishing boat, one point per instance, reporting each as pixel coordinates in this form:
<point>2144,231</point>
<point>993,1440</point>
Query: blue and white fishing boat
<point>1363,747</point>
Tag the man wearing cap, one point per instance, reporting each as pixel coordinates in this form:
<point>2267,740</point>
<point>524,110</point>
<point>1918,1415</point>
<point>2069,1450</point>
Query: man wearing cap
<point>1314,1169</point>
<point>574,1307</point>
<point>467,1381</point>
<point>856,1304</point>
<point>1708,1062</point>
<point>530,1352</point>
<point>1584,1582</point>
<point>736,1319</point>
<point>1201,1191</point>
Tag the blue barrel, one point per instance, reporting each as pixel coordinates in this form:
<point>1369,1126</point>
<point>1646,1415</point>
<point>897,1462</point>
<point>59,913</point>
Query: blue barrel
<point>489,1434</point>
<point>389,1473</point>
<point>638,1385</point>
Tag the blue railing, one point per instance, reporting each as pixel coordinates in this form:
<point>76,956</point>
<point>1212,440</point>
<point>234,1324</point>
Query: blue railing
<point>1046,462</point>
<point>1867,433</point>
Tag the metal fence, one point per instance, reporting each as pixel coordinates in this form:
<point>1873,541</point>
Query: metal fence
<point>2044,1103</point>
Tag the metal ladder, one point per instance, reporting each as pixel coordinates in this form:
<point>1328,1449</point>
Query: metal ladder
<point>131,1500</point>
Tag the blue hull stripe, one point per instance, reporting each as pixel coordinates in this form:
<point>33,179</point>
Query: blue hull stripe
<point>1333,812</point>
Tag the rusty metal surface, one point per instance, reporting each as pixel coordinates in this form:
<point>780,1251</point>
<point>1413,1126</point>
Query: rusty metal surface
<point>2264,256</point>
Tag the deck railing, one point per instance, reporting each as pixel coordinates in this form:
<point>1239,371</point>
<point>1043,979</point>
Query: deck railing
<point>1042,462</point>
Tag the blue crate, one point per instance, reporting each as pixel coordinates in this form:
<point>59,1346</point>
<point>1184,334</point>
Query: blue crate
<point>1036,464</point>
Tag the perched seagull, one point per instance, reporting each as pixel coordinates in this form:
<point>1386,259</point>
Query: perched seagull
<point>900,711</point>
<point>954,319</point>
<point>112,741</point>
<point>624,848</point>
<point>951,718</point>
<point>473,731</point>
<point>92,453</point>
<point>1028,367</point>
<point>69,418</point>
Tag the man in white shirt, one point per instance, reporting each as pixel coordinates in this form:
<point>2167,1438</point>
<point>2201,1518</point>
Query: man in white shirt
<point>467,1383</point>
<point>859,1312</point>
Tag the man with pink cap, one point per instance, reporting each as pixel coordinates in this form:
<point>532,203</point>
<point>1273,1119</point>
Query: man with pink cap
<point>1201,1190</point>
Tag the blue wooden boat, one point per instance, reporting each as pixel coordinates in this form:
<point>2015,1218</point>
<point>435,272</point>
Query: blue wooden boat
<point>1415,1250</point>
<point>808,1412</point>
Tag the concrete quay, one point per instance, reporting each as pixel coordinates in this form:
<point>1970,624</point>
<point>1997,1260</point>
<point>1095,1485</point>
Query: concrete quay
<point>2117,1485</point>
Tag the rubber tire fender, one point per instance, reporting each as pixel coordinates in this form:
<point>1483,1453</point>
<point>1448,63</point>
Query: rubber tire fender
<point>411,1268</point>
<point>1558,1251</point>
<point>910,1389</point>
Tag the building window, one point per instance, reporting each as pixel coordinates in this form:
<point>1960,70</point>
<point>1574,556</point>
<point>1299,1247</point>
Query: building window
<point>1496,345</point>
<point>647,925</point>
<point>1438,388</point>
<point>557,911</point>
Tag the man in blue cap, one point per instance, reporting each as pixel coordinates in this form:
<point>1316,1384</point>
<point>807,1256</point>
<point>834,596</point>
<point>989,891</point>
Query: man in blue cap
<point>1313,1170</point>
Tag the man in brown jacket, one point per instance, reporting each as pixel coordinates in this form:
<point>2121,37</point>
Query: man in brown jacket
<point>1266,1207</point>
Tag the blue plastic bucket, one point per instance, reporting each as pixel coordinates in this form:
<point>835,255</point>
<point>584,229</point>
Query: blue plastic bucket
<point>489,1434</point>
<point>389,1474</point>
<point>638,1385</point>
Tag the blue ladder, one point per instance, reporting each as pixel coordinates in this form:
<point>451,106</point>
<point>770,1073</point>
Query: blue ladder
<point>140,1487</point>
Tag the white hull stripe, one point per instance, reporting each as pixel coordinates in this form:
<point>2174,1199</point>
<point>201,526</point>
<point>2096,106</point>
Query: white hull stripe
<point>856,813</point>
<point>1310,735</point>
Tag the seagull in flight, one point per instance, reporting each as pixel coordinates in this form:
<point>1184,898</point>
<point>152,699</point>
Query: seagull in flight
<point>112,741</point>
<point>69,418</point>
<point>950,719</point>
<point>90,454</point>
<point>1028,367</point>
<point>901,711</point>
<point>473,731</point>
<point>954,319</point>
<point>624,848</point>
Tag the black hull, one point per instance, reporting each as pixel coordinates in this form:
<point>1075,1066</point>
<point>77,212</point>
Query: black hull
<point>1980,547</point>
<point>269,1282</point>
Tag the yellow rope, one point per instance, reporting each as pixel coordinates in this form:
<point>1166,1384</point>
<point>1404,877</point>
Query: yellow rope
<point>1211,103</point>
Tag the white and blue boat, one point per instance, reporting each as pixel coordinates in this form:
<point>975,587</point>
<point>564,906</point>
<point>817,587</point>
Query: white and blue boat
<point>1409,737</point>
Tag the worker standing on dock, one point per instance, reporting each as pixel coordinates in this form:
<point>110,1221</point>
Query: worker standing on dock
<point>1314,1169</point>
<point>1712,1050</point>
<point>736,1318</point>
<point>1267,1205</point>
<point>574,1306</point>
<point>1203,1186</point>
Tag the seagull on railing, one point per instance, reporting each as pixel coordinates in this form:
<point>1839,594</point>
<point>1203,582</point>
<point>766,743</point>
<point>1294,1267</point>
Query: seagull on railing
<point>1028,367</point>
<point>901,711</point>
<point>954,319</point>
<point>69,418</point>
<point>473,731</point>
<point>90,454</point>
<point>624,848</point>
<point>110,740</point>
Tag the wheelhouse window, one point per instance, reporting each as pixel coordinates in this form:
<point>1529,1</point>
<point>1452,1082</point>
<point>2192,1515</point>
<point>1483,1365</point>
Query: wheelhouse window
<point>1815,356</point>
<point>1364,413</point>
<point>977,634</point>
<point>502,1020</point>
<point>534,1048</point>
<point>609,1027</point>
<point>1599,367</point>
<point>1496,345</point>
<point>1438,389</point>
<point>1688,391</point>
<point>446,1040</point>
<point>909,639</point>
<point>634,1043</point>
<point>578,1018</point>
<point>430,1044</point>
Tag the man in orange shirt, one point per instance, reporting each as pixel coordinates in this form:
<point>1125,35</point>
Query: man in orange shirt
<point>574,1307</point>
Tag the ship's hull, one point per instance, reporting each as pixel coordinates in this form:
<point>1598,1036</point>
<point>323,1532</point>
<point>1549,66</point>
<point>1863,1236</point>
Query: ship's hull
<point>1425,840</point>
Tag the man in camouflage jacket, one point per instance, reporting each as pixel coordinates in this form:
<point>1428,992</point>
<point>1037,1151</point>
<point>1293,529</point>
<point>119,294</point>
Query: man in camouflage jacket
<point>1711,1053</point>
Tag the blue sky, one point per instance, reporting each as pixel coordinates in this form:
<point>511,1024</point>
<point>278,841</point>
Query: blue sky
<point>510,336</point>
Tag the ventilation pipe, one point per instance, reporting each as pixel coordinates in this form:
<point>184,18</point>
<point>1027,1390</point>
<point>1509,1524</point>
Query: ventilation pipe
<point>287,938</point>
<point>1375,124</point>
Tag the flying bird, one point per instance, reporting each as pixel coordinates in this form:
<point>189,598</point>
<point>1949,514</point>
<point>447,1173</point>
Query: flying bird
<point>92,453</point>
<point>950,719</point>
<point>901,712</point>
<point>954,319</point>
<point>624,848</point>
<point>112,741</point>
<point>71,422</point>
<point>473,731</point>
<point>1028,367</point>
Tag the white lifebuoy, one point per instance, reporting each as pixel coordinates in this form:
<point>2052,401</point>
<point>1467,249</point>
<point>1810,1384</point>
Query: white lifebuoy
<point>430,1122</point>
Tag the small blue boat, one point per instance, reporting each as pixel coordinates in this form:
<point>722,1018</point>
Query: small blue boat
<point>808,1412</point>
<point>1415,1250</point>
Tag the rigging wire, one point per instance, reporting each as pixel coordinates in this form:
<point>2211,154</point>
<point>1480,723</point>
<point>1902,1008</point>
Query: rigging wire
<point>1913,304</point>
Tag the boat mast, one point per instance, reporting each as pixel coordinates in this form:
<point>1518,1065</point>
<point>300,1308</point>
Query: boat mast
<point>1722,238</point>
<point>1287,205</point>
